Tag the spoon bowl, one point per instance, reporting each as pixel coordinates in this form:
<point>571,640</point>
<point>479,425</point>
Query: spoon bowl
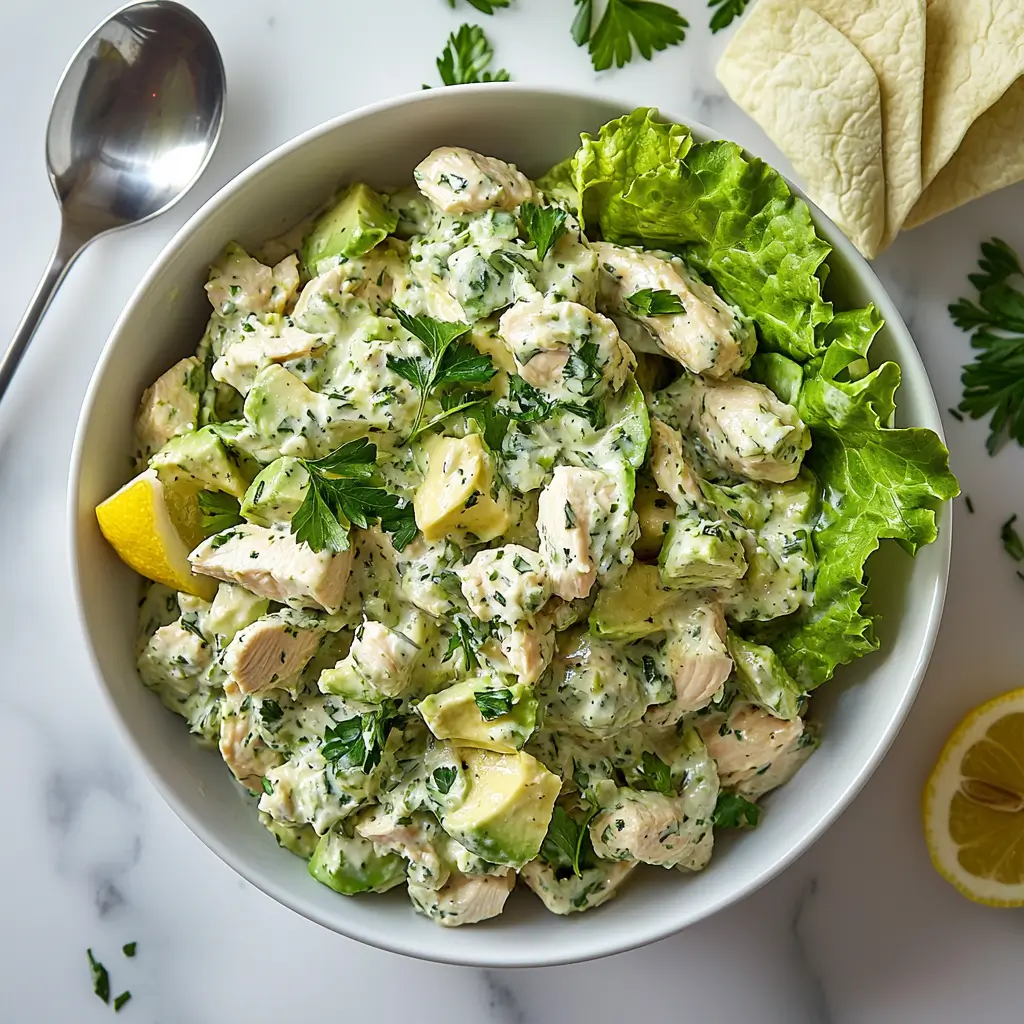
<point>135,119</point>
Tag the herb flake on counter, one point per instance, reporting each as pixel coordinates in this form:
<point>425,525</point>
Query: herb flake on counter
<point>969,504</point>
<point>484,6</point>
<point>121,1000</point>
<point>626,24</point>
<point>994,382</point>
<point>1012,543</point>
<point>100,978</point>
<point>466,58</point>
<point>129,949</point>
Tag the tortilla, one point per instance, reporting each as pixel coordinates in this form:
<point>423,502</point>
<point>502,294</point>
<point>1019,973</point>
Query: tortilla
<point>990,158</point>
<point>891,35</point>
<point>975,52</point>
<point>818,99</point>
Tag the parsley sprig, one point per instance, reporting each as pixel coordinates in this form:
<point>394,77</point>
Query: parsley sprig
<point>655,302</point>
<point>342,494</point>
<point>652,773</point>
<point>567,845</point>
<point>994,382</point>
<point>359,742</point>
<point>544,225</point>
<point>627,23</point>
<point>467,57</point>
<point>443,364</point>
<point>444,778</point>
<point>728,11</point>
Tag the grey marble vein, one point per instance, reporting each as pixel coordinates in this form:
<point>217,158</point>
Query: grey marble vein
<point>818,1006</point>
<point>502,999</point>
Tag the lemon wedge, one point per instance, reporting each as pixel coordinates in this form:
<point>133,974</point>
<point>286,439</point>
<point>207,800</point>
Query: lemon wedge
<point>153,527</point>
<point>974,804</point>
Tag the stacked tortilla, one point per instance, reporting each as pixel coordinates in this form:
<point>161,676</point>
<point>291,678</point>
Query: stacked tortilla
<point>892,111</point>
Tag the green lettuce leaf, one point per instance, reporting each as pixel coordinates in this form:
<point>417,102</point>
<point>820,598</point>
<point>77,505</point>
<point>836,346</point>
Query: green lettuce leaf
<point>877,482</point>
<point>733,216</point>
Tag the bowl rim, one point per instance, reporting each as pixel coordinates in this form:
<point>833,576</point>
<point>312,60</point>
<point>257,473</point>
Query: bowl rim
<point>611,942</point>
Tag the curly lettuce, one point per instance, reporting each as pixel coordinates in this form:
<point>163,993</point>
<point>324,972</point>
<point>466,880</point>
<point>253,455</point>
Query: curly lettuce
<point>639,181</point>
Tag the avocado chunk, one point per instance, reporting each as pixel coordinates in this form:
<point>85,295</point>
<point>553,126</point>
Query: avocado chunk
<point>202,457</point>
<point>233,609</point>
<point>507,808</point>
<point>298,839</point>
<point>351,865</point>
<point>700,553</point>
<point>473,714</point>
<point>357,222</point>
<point>458,498</point>
<point>763,679</point>
<point>655,510</point>
<point>276,494</point>
<point>635,607</point>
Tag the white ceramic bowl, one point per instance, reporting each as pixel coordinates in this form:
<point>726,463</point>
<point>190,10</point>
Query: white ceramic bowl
<point>861,711</point>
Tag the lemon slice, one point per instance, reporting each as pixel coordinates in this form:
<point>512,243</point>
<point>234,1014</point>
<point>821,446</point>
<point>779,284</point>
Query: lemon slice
<point>974,804</point>
<point>153,527</point>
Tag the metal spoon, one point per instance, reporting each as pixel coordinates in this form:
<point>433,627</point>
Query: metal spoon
<point>135,118</point>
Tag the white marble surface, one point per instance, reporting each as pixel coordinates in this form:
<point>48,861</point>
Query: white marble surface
<point>859,930</point>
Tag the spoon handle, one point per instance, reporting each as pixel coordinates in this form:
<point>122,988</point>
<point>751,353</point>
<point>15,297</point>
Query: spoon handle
<point>68,246</point>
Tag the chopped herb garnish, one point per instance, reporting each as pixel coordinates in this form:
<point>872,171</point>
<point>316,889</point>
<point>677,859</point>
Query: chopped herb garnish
<point>994,382</point>
<point>270,710</point>
<point>443,364</point>
<point>654,774</point>
<point>956,414</point>
<point>218,511</point>
<point>570,516</point>
<point>121,1000</point>
<point>625,23</point>
<point>493,703</point>
<point>1011,539</point>
<point>969,503</point>
<point>728,11</point>
<point>544,225</point>
<point>463,639</point>
<point>359,742</point>
<point>484,6</point>
<point>655,302</point>
<point>520,564</point>
<point>567,844</point>
<point>129,949</point>
<point>735,811</point>
<point>191,625</point>
<point>100,978</point>
<point>467,57</point>
<point>268,786</point>
<point>444,779</point>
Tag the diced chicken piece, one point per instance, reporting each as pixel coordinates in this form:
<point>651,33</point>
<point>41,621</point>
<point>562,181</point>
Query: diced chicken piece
<point>170,406</point>
<point>696,660</point>
<point>464,899</point>
<point>460,181</point>
<point>248,757</point>
<point>671,471</point>
<point>529,650</point>
<point>413,837</point>
<point>707,337</point>
<point>650,827</point>
<point>573,505</point>
<point>379,664</point>
<point>299,792</point>
<point>270,562</point>
<point>239,283</point>
<point>370,278</point>
<point>507,583</point>
<point>571,895</point>
<point>744,427</point>
<point>570,270</point>
<point>754,751</point>
<point>174,658</point>
<point>271,651</point>
<point>260,345</point>
<point>564,348</point>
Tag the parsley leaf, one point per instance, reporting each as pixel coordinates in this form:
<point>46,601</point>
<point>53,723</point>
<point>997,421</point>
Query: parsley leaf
<point>728,11</point>
<point>341,494</point>
<point>735,811</point>
<point>494,423</point>
<point>567,844</point>
<point>218,511</point>
<point>484,6</point>
<point>655,302</point>
<point>582,21</point>
<point>129,949</point>
<point>121,1000</point>
<point>466,57</point>
<point>994,382</point>
<point>1011,540</point>
<point>527,404</point>
<point>267,786</point>
<point>654,774</point>
<point>544,225</point>
<point>442,363</point>
<point>444,779</point>
<point>359,742</point>
<point>100,978</point>
<point>625,23</point>
<point>463,640</point>
<point>493,703</point>
<point>582,365</point>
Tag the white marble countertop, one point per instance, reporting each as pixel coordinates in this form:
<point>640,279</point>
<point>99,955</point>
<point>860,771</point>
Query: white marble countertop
<point>860,929</point>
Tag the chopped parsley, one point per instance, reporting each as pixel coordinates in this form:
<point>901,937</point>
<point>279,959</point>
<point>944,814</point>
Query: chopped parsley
<point>654,774</point>
<point>121,1000</point>
<point>544,225</point>
<point>359,742</point>
<point>268,786</point>
<point>463,640</point>
<point>129,949</point>
<point>493,703</point>
<point>655,302</point>
<point>567,845</point>
<point>484,6</point>
<point>100,978</point>
<point>444,779</point>
<point>1011,539</point>
<point>735,811</point>
<point>218,511</point>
